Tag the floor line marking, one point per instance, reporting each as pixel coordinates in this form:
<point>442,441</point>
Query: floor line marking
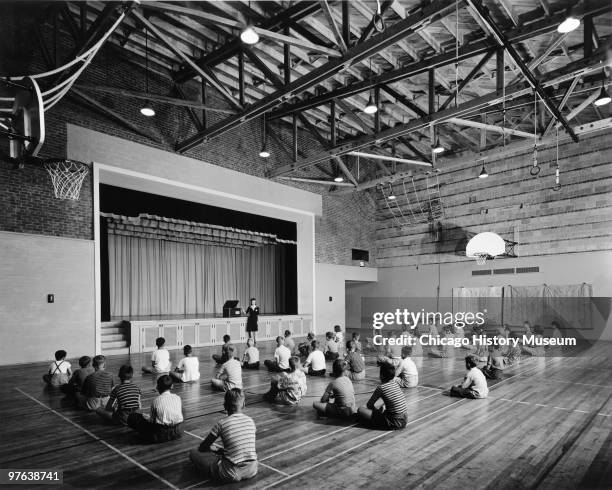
<point>577,383</point>
<point>327,434</point>
<point>102,441</point>
<point>372,439</point>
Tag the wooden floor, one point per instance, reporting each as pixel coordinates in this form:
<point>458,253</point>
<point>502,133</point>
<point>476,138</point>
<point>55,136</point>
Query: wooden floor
<point>547,424</point>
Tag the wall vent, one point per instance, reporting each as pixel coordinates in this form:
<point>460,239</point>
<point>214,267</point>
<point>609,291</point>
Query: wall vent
<point>503,271</point>
<point>526,270</point>
<point>482,273</point>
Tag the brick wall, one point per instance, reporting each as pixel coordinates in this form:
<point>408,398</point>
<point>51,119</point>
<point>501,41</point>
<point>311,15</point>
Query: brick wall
<point>27,204</point>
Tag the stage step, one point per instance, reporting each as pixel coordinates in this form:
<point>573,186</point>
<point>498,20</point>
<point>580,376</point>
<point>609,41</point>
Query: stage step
<point>117,352</point>
<point>113,344</point>
<point>112,330</point>
<point>108,337</point>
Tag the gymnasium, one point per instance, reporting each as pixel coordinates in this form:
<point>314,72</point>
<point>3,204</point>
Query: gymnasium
<point>304,244</point>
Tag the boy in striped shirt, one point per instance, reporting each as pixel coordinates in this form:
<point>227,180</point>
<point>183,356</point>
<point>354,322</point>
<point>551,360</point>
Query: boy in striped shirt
<point>393,413</point>
<point>164,422</point>
<point>97,386</point>
<point>124,399</point>
<point>237,460</point>
<point>230,374</point>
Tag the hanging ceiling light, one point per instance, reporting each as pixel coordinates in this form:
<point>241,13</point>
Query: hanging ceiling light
<point>264,153</point>
<point>437,148</point>
<point>146,109</point>
<point>249,35</point>
<point>604,97</point>
<point>392,197</point>
<point>371,107</point>
<point>339,179</point>
<point>483,172</point>
<point>570,23</point>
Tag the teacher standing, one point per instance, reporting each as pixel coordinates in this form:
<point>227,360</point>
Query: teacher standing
<point>252,313</point>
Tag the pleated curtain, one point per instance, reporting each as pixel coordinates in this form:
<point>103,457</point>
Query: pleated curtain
<point>158,277</point>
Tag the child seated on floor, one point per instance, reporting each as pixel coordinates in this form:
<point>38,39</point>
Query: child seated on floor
<point>289,387</point>
<point>341,391</point>
<point>531,347</point>
<point>355,337</point>
<point>289,343</point>
<point>250,359</point>
<point>188,368</point>
<point>281,357</point>
<point>75,384</point>
<point>304,347</point>
<point>339,337</point>
<point>444,351</point>
<point>331,347</point>
<point>393,353</point>
<point>495,363</point>
<point>124,399</point>
<point>97,386</point>
<point>164,422</point>
<point>354,361</point>
<point>230,374</point>
<point>315,363</point>
<point>475,384</point>
<point>556,330</point>
<point>160,358</point>
<point>407,375</point>
<point>224,356</point>
<point>417,347</point>
<point>237,459</point>
<point>59,370</point>
<point>393,413</point>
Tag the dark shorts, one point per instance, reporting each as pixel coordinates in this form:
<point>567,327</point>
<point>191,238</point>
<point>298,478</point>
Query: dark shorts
<point>152,432</point>
<point>254,365</point>
<point>335,411</point>
<point>383,420</point>
<point>331,356</point>
<point>312,372</point>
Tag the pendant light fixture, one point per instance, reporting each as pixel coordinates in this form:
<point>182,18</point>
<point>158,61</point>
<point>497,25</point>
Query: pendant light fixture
<point>557,186</point>
<point>264,153</point>
<point>604,95</point>
<point>339,179</point>
<point>437,148</point>
<point>249,35</point>
<point>571,23</point>
<point>535,169</point>
<point>371,107</point>
<point>147,110</point>
<point>483,172</point>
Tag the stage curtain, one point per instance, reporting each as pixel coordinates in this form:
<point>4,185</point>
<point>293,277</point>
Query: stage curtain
<point>158,277</point>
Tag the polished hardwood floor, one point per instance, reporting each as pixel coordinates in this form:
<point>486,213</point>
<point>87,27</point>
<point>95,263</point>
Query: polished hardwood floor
<point>547,424</point>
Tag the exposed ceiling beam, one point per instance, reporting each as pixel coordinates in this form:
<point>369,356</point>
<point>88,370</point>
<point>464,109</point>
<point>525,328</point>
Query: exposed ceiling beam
<point>561,105</point>
<point>192,12</point>
<point>502,39</point>
<point>567,72</point>
<point>291,15</point>
<point>204,72</point>
<point>333,25</point>
<point>360,52</point>
<point>375,156</point>
<point>294,41</point>
<point>489,127</point>
<point>319,182</point>
<point>470,50</point>
<point>475,71</point>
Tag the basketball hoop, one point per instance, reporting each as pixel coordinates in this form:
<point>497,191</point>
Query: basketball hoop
<point>67,177</point>
<point>485,246</point>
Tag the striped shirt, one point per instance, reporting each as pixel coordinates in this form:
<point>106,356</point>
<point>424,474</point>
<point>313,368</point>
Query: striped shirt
<point>167,409</point>
<point>231,373</point>
<point>98,384</point>
<point>392,396</point>
<point>355,362</point>
<point>237,431</point>
<point>126,395</point>
<point>79,376</point>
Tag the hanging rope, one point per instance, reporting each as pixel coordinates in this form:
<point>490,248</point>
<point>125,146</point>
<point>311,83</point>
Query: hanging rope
<point>382,190</point>
<point>535,169</point>
<point>414,220</point>
<point>396,200</point>
<point>456,53</point>
<point>557,186</point>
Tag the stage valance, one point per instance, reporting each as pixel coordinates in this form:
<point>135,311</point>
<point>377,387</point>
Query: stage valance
<point>176,230</point>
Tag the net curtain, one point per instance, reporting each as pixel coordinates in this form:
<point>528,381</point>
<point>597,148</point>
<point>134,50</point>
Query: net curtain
<point>159,277</point>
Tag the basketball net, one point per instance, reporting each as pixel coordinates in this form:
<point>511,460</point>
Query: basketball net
<point>481,259</point>
<point>67,177</point>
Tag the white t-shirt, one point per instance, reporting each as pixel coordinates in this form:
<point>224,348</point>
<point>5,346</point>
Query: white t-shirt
<point>191,369</point>
<point>317,359</point>
<point>251,355</point>
<point>407,371</point>
<point>282,355</point>
<point>161,357</point>
<point>476,380</point>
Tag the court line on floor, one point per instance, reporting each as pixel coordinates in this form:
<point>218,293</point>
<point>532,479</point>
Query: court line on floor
<point>384,433</point>
<point>102,441</point>
<point>543,405</point>
<point>577,383</point>
<point>258,462</point>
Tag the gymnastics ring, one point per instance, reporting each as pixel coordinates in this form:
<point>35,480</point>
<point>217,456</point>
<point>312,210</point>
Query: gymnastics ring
<point>556,187</point>
<point>378,23</point>
<point>535,170</point>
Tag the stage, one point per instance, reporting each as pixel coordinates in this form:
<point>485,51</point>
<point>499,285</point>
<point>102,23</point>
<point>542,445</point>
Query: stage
<point>208,330</point>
